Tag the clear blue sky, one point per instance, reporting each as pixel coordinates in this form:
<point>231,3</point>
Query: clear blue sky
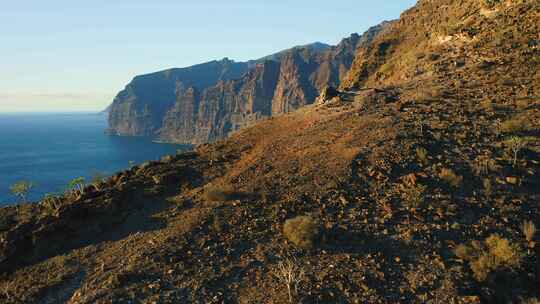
<point>61,55</point>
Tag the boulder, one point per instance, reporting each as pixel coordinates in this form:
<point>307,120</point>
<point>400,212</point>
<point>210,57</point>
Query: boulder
<point>327,94</point>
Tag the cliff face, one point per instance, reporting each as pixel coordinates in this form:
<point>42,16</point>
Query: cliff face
<point>139,109</point>
<point>209,101</point>
<point>198,117</point>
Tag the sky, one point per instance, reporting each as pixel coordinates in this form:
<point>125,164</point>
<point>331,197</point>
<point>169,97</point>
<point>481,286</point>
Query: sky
<point>67,56</point>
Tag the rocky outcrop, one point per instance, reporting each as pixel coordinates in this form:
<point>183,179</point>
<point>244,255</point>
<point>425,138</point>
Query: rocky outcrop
<point>216,111</point>
<point>209,101</point>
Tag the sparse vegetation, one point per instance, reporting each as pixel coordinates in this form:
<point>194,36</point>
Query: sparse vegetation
<point>515,144</point>
<point>488,187</point>
<point>97,180</point>
<point>482,165</point>
<point>291,274</point>
<point>215,194</point>
<point>422,155</point>
<point>21,189</point>
<point>449,177</point>
<point>529,230</point>
<point>522,104</point>
<point>384,208</point>
<point>51,202</point>
<point>494,254</point>
<point>487,105</point>
<point>76,186</point>
<point>491,3</point>
<point>414,196</point>
<point>426,94</point>
<point>301,231</point>
<point>516,124</point>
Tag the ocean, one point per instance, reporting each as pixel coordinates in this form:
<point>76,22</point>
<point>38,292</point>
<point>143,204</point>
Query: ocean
<point>49,150</point>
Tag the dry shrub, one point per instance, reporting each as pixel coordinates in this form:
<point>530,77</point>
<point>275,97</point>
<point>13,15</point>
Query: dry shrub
<point>488,187</point>
<point>529,230</point>
<point>215,194</point>
<point>449,177</point>
<point>516,124</point>
<point>301,231</point>
<point>487,105</point>
<point>494,254</point>
<point>491,3</point>
<point>422,155</point>
<point>522,104</point>
<point>483,164</point>
<point>426,94</point>
<point>514,145</point>
<point>414,196</point>
<point>291,274</point>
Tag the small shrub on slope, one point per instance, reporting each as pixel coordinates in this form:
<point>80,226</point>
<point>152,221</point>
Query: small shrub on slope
<point>302,231</point>
<point>494,254</point>
<point>449,177</point>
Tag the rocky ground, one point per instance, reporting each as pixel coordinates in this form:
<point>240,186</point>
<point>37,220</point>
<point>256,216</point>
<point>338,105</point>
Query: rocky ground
<point>412,186</point>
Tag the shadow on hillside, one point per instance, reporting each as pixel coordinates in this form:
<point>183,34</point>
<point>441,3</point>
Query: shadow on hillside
<point>391,253</point>
<point>135,213</point>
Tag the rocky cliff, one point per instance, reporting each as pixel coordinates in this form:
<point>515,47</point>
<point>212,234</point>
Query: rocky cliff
<point>138,110</point>
<point>209,101</point>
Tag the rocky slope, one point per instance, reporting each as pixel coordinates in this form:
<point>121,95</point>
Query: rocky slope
<point>175,107</point>
<point>408,187</point>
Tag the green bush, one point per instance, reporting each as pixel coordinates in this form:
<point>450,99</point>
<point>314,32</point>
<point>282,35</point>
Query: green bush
<point>302,231</point>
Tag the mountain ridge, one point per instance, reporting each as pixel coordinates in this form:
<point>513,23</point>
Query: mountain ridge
<point>215,109</point>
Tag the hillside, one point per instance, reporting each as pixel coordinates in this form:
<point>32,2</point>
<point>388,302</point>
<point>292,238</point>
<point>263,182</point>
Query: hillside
<point>418,183</point>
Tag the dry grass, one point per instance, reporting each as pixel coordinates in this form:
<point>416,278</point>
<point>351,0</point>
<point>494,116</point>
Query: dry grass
<point>529,230</point>
<point>488,187</point>
<point>216,194</point>
<point>516,124</point>
<point>426,94</point>
<point>449,177</point>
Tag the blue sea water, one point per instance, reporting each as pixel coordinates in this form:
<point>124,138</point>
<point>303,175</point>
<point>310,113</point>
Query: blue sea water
<point>49,150</point>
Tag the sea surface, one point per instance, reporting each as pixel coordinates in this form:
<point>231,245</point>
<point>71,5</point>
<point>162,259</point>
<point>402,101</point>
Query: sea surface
<point>50,150</point>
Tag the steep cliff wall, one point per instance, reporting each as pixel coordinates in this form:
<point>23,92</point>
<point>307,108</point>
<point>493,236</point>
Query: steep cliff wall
<point>139,109</point>
<point>209,101</point>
